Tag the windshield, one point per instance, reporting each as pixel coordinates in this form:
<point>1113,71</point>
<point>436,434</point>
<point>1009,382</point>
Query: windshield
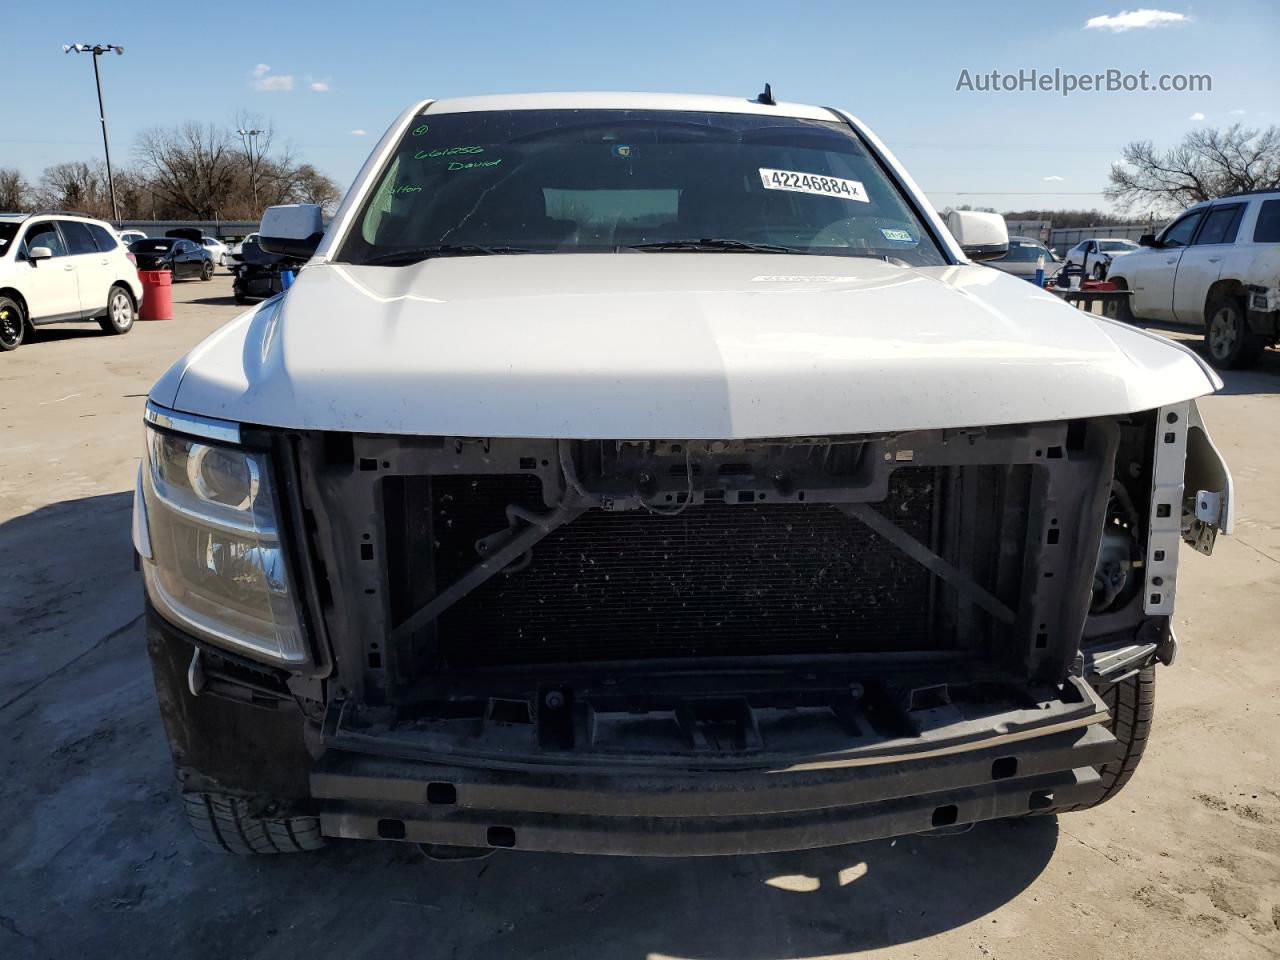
<point>588,181</point>
<point>8,231</point>
<point>1023,252</point>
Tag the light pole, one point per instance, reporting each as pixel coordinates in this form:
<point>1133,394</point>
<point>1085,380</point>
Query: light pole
<point>248,137</point>
<point>98,49</point>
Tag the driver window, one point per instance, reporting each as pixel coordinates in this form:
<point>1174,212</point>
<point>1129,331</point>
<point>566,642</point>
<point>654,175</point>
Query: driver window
<point>46,235</point>
<point>1179,235</point>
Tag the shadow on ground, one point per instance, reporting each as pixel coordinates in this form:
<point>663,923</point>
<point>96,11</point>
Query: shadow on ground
<point>96,852</point>
<point>55,334</point>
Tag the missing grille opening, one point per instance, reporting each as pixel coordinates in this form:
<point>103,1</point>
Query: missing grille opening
<point>442,794</point>
<point>1003,768</point>
<point>946,816</point>
<point>391,829</point>
<point>501,837</point>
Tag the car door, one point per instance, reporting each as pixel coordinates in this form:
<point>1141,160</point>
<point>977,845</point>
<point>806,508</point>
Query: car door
<point>181,259</point>
<point>92,268</point>
<point>49,286</point>
<point>1201,262</point>
<point>1152,271</point>
<point>193,258</point>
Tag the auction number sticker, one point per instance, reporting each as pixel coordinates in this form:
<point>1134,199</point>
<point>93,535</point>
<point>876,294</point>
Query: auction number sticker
<point>822,186</point>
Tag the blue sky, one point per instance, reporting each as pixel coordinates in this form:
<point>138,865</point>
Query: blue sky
<point>335,68</point>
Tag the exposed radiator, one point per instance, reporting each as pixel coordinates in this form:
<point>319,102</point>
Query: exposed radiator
<point>716,580</point>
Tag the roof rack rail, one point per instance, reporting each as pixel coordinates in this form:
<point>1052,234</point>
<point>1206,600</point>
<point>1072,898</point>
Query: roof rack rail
<point>1249,193</point>
<point>62,213</point>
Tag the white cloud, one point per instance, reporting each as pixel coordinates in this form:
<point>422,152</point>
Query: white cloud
<point>274,82</point>
<point>1238,113</point>
<point>1135,20</point>
<point>261,70</point>
<point>1197,116</point>
<point>319,86</point>
<point>1053,178</point>
<point>357,132</point>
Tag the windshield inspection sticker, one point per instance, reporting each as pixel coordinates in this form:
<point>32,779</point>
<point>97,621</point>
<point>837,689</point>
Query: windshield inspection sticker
<point>897,236</point>
<point>813,183</point>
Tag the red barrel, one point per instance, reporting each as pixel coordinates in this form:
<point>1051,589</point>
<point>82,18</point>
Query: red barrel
<point>157,295</point>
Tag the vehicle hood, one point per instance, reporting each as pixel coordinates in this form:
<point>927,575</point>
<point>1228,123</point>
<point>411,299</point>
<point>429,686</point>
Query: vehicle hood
<point>670,345</point>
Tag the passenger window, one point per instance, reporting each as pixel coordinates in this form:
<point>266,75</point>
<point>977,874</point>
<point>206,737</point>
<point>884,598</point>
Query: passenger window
<point>1268,226</point>
<point>78,238</point>
<point>1179,235</point>
<point>1221,224</point>
<point>102,237</point>
<point>45,235</point>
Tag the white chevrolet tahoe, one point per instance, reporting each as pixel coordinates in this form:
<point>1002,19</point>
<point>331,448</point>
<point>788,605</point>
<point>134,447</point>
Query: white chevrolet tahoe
<point>657,475</point>
<point>1215,267</point>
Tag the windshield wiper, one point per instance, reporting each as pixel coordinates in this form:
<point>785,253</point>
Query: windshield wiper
<point>416,254</point>
<point>715,244</point>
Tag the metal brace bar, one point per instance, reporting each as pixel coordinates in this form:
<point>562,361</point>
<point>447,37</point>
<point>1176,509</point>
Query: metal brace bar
<point>491,565</point>
<point>917,551</point>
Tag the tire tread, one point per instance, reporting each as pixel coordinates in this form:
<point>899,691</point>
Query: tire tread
<point>225,824</point>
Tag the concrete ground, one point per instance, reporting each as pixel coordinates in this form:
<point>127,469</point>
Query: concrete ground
<point>97,860</point>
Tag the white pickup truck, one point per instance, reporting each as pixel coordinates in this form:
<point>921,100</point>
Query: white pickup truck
<point>1217,266</point>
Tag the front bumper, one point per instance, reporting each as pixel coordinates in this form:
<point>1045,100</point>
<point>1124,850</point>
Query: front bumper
<point>705,814</point>
<point>255,744</point>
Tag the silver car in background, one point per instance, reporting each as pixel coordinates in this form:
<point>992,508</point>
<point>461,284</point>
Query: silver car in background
<point>1023,259</point>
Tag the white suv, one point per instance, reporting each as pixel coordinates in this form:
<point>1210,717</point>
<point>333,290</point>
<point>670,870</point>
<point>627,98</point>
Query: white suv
<point>658,475</point>
<point>56,268</point>
<point>1217,266</point>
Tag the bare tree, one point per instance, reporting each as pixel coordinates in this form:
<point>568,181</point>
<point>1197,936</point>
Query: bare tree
<point>15,192</point>
<point>1208,163</point>
<point>191,168</point>
<point>75,186</point>
<point>312,186</point>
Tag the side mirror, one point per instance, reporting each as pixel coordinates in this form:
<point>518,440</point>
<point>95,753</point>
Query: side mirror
<point>39,253</point>
<point>1147,240</point>
<point>982,236</point>
<point>292,230</point>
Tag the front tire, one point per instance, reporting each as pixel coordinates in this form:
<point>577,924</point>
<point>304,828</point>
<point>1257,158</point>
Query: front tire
<point>13,324</point>
<point>1099,272</point>
<point>1120,309</point>
<point>1230,343</point>
<point>226,824</point>
<point>120,312</point>
<point>1132,702</point>
<point>206,270</point>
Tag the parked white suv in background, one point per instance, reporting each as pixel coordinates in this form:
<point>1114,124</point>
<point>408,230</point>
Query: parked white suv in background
<point>1216,266</point>
<point>1095,256</point>
<point>56,268</point>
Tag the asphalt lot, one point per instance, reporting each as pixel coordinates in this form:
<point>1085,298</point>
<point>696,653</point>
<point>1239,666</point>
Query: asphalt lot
<point>97,860</point>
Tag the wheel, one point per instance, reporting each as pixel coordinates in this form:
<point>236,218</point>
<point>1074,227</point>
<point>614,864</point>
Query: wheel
<point>206,270</point>
<point>1099,271</point>
<point>1132,703</point>
<point>1119,309</point>
<point>1227,338</point>
<point>226,825</point>
<point>120,313</point>
<point>13,325</point>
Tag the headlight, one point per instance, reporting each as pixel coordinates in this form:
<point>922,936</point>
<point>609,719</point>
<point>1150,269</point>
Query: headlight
<point>217,565</point>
